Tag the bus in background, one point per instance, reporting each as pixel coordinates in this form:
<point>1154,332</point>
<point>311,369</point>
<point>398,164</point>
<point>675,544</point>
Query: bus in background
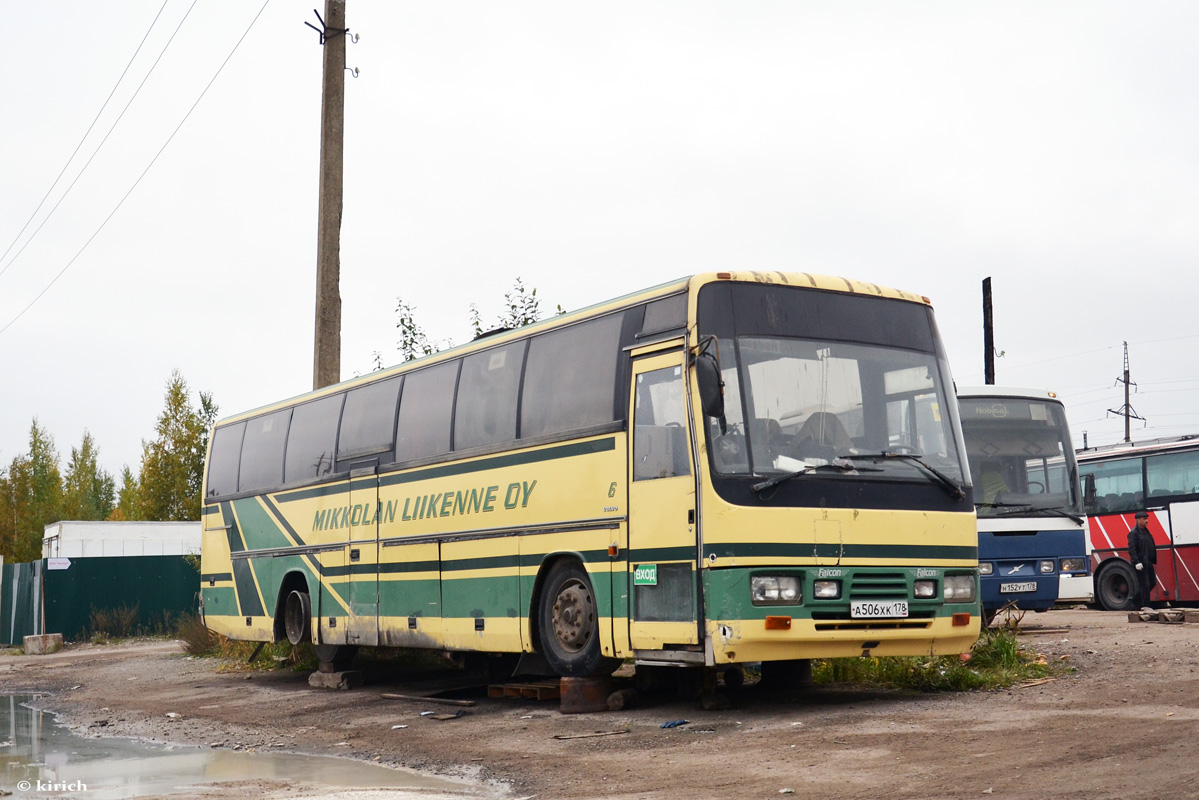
<point>1031,537</point>
<point>1160,476</point>
<point>729,468</point>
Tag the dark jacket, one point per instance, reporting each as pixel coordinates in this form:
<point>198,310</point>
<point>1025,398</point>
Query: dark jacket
<point>1141,548</point>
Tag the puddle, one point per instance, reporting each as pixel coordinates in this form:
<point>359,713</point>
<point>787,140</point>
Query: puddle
<point>41,758</point>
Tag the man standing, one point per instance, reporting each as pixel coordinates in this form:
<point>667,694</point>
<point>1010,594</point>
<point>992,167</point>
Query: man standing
<point>1142,552</point>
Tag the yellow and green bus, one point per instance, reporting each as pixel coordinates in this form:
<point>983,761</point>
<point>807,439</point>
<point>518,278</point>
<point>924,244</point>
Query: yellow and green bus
<point>728,468</point>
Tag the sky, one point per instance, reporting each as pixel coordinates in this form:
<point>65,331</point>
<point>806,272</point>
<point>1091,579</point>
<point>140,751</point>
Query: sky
<point>590,150</point>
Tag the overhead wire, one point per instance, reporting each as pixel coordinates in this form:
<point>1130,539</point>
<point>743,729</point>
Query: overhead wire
<point>75,152</point>
<point>95,152</point>
<point>142,175</point>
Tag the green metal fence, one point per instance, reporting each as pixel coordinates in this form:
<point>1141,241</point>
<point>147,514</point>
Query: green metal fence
<point>160,588</point>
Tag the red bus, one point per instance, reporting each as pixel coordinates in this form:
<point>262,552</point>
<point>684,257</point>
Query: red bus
<point>1162,477</point>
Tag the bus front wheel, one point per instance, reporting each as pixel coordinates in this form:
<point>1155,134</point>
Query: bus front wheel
<point>568,623</point>
<point>1116,586</point>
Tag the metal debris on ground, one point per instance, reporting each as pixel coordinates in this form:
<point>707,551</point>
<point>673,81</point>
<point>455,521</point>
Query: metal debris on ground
<point>1174,616</point>
<point>445,701</point>
<point>588,735</point>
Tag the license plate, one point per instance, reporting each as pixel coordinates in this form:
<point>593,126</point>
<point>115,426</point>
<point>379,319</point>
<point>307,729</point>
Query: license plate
<point>878,609</point>
<point>1013,588</point>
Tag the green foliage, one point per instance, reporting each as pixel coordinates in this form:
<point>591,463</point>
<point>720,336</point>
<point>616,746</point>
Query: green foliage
<point>88,490</point>
<point>414,342</point>
<point>997,661</point>
<point>129,500</point>
<point>521,306</point>
<point>31,497</point>
<point>173,462</point>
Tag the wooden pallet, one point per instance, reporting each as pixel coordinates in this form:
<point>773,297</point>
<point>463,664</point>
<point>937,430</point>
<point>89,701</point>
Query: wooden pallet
<point>538,690</point>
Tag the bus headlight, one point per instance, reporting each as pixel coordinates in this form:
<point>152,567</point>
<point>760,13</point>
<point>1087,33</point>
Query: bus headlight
<point>1073,565</point>
<point>925,589</point>
<point>985,568</point>
<point>774,590</point>
<point>959,588</point>
<point>1046,567</point>
<point>826,590</point>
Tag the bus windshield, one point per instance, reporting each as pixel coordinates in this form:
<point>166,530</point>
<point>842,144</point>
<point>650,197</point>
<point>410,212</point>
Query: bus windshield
<point>1020,456</point>
<point>793,405</point>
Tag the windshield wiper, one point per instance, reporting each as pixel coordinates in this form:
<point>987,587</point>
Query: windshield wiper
<point>944,481</point>
<point>1028,508</point>
<point>838,465</point>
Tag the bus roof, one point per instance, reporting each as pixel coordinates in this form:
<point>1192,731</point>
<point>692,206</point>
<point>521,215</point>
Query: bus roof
<point>1163,444</point>
<point>1007,391</point>
<point>692,283</point>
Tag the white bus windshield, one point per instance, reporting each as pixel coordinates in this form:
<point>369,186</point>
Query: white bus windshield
<point>1020,456</point>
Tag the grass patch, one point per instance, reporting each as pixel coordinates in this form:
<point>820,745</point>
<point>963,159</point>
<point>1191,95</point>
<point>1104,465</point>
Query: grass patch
<point>997,661</point>
<point>199,641</point>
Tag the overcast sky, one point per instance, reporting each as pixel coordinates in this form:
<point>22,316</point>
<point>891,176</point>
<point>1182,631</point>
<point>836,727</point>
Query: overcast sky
<point>592,150</point>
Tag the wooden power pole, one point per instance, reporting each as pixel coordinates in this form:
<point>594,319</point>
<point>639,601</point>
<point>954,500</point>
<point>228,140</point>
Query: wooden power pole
<point>326,368</point>
<point>988,335</point>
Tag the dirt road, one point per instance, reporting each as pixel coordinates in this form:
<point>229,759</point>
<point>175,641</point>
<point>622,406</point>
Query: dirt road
<point>1121,725</point>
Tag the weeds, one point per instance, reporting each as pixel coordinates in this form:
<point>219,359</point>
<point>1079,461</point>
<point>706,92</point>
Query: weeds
<point>997,661</point>
<point>117,623</point>
<point>199,641</point>
<point>107,624</point>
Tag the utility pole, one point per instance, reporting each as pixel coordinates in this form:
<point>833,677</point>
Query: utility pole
<point>326,367</point>
<point>1126,410</point>
<point>988,335</point>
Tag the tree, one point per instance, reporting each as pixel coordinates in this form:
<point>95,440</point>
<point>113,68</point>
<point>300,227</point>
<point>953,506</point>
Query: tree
<point>88,490</point>
<point>30,498</point>
<point>521,307</point>
<point>173,462</point>
<point>414,342</point>
<point>129,501</point>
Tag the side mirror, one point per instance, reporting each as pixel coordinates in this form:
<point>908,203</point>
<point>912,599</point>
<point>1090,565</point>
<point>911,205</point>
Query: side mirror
<point>1089,494</point>
<point>711,386</point>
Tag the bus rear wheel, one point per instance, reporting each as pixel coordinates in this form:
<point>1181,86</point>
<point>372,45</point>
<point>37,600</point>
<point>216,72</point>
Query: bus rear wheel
<point>297,616</point>
<point>1116,586</point>
<point>568,623</point>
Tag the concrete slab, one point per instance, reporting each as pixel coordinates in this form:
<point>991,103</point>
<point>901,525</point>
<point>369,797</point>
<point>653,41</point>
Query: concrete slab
<point>43,644</point>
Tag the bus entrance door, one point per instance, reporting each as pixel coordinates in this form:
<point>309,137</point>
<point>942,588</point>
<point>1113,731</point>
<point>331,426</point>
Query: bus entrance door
<point>662,557</point>
<point>362,557</point>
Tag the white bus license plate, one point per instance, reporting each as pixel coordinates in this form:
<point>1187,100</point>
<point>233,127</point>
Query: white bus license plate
<point>878,609</point>
<point>1014,588</point>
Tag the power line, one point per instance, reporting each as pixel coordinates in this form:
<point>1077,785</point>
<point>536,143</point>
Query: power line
<point>85,135</point>
<point>102,141</point>
<point>139,177</point>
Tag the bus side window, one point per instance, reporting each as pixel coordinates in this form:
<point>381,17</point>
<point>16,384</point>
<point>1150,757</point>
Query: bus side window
<point>425,411</point>
<point>262,452</point>
<point>311,439</point>
<point>224,459</point>
<point>659,431</point>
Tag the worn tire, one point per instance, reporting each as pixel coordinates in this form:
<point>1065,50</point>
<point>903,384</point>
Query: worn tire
<point>297,616</point>
<point>1116,586</point>
<point>334,657</point>
<point>568,623</point>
